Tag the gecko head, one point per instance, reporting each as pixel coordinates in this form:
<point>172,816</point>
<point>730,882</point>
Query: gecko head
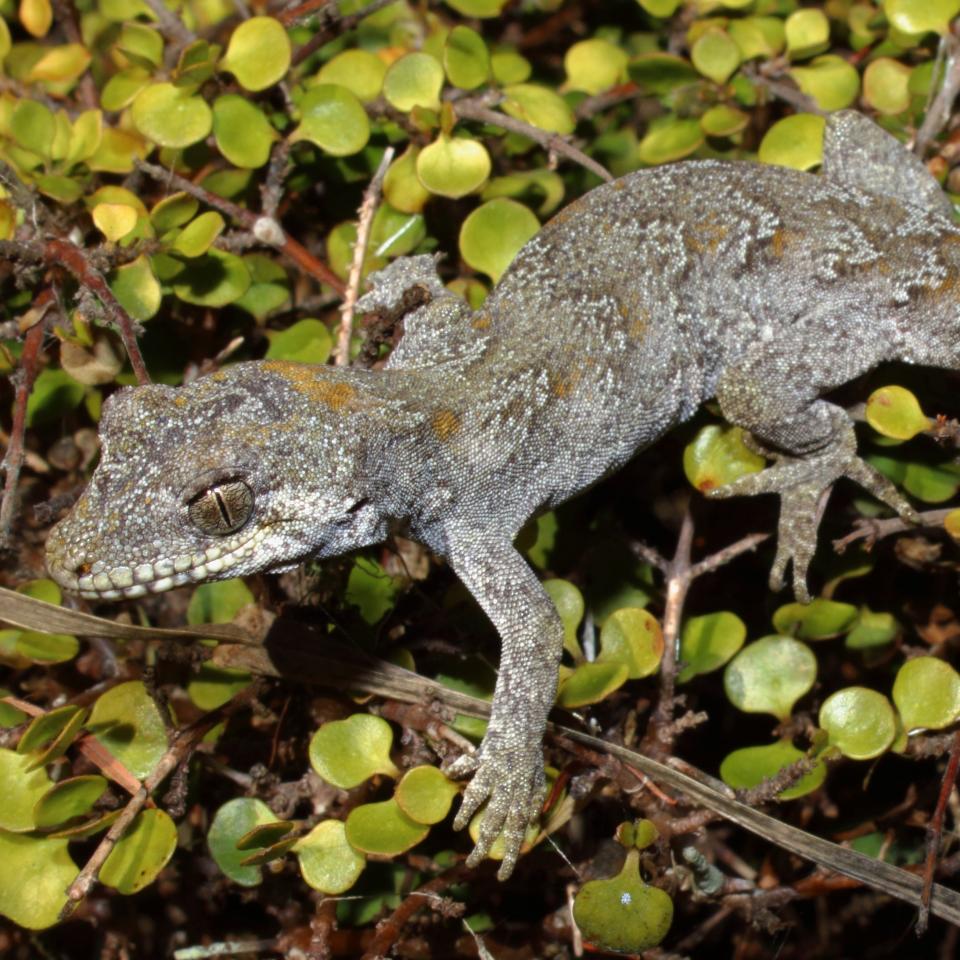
<point>230,475</point>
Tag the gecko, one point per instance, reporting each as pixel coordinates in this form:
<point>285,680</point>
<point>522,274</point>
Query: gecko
<point>760,286</point>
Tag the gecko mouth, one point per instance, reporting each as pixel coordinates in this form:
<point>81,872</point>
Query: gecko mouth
<point>99,581</point>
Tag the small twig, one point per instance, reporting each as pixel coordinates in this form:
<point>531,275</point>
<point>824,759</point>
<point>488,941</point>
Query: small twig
<point>477,109</point>
<point>371,197</point>
<point>327,32</point>
<point>271,192</point>
<point>934,833</point>
<point>13,459</point>
<point>75,260</point>
<point>784,90</point>
<point>938,110</point>
<point>874,530</point>
<point>171,26</point>
<point>265,228</point>
<point>724,556</point>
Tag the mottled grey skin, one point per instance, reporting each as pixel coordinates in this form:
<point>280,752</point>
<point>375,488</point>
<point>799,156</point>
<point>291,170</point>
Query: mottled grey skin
<point>760,286</point>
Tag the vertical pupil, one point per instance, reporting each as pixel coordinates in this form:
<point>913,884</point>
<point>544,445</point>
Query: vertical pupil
<point>223,508</point>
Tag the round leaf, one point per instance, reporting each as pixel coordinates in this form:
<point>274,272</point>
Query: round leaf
<point>23,789</point>
<point>466,59</point>
<point>758,36</point>
<point>724,121</point>
<point>47,727</point>
<point>415,80</point>
<point>770,675</point>
<point>829,80</point>
<point>127,722</point>
<point>141,853</point>
<point>197,237</point>
<point>632,636</point>
<point>402,186</point>
<point>819,620</point>
<point>306,341</point>
<point>591,683</point>
<point>218,602</point>
<point>748,767</point>
<point>334,119</point>
<point>509,67</point>
<point>716,456</point>
<point>927,694</point>
<point>242,131</point>
<point>795,141</point>
<point>492,235</point>
<point>213,280</point>
<point>37,873</point>
<point>860,723</point>
<point>921,16</point>
<point>808,32</point>
<point>670,139</point>
<point>258,54</point>
<point>360,71</point>
<point>569,603</point>
<point>708,642</point>
<point>872,630</point>
<point>235,819</point>
<point>886,85</point>
<point>715,55</point>
<point>173,211</point>
<point>212,687</point>
<point>895,412</point>
<point>347,752</point>
<point>425,794</point>
<point>98,364</point>
<point>622,913</point>
<point>169,116</point>
<point>383,828</point>
<point>594,65</point>
<point>538,106</point>
<point>453,166</point>
<point>327,861</point>
<point>137,288</point>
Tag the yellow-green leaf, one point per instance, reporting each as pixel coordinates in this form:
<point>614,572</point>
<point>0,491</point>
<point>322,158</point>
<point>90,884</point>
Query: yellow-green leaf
<point>258,53</point>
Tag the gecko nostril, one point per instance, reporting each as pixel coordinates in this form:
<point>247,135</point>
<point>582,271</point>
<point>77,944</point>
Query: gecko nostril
<point>83,568</point>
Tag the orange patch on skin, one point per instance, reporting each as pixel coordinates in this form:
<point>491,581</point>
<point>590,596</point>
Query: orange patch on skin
<point>218,376</point>
<point>482,321</point>
<point>638,326</point>
<point>445,424</point>
<point>303,378</point>
<point>708,238</point>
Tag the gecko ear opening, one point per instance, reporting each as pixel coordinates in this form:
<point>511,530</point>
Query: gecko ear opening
<point>222,508</point>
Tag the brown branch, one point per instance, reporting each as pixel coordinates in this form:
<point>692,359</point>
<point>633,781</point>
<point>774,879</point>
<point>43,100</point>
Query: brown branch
<point>477,109</point>
<point>265,228</point>
<point>874,530</point>
<point>75,260</point>
<point>13,459</point>
<point>371,198</point>
<point>327,31</point>
<point>172,27</point>
<point>938,110</point>
<point>935,832</point>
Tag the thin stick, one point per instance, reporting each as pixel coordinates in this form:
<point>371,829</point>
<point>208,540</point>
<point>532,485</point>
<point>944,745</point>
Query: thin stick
<point>327,32</point>
<point>938,112</point>
<point>874,530</point>
<point>371,198</point>
<point>476,109</point>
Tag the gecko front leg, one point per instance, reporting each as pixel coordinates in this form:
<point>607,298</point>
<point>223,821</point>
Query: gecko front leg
<point>508,766</point>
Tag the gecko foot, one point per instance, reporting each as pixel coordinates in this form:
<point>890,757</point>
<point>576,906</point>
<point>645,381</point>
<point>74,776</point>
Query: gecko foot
<point>801,483</point>
<point>512,786</point>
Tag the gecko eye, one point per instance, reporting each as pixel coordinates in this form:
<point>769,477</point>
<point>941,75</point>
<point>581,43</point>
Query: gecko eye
<point>221,508</point>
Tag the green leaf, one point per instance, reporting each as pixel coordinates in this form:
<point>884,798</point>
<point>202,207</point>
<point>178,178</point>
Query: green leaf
<point>818,620</point>
<point>127,722</point>
<point>453,166</point>
<point>762,37</point>
<point>212,687</point>
<point>594,65</point>
<point>569,603</point>
<point>122,88</point>
<point>32,126</point>
<point>269,286</point>
<point>360,71</point>
<point>218,602</point>
<point>860,723</point>
<point>591,683</point>
<point>872,629</point>
<point>715,55</point>
<point>38,872</point>
<point>141,44</point>
<point>509,67</point>
<point>795,141</point>
<point>415,80</point>
<point>402,186</point>
<point>538,106</point>
<point>724,121</point>
<point>383,829</point>
<point>171,116</point>
<point>538,184</point>
<point>198,236</point>
<point>137,288</point>
<point>623,914</point>
<point>258,54</point>
<point>54,393</point>
<point>928,482</point>
<point>660,8</point>
<point>48,726</point>
<point>327,861</point>
<point>23,788</point>
<point>234,820</point>
<point>481,9</point>
<point>830,80</point>
<point>895,412</point>
<point>243,133</point>
<point>306,341</point>
<point>669,139</point>
<point>173,211</point>
<point>632,636</point>
<point>927,694</point>
<point>347,752</point>
<point>708,642</point>
<point>334,119</point>
<point>748,767</point>
<point>921,16</point>
<point>424,794</point>
<point>662,73</point>
<point>266,835</point>
<point>808,33</point>
<point>886,86</point>
<point>371,589</point>
<point>114,220</point>
<point>213,280</point>
<point>717,456</point>
<point>770,675</point>
<point>466,58</point>
<point>492,235</point>
<point>141,853</point>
